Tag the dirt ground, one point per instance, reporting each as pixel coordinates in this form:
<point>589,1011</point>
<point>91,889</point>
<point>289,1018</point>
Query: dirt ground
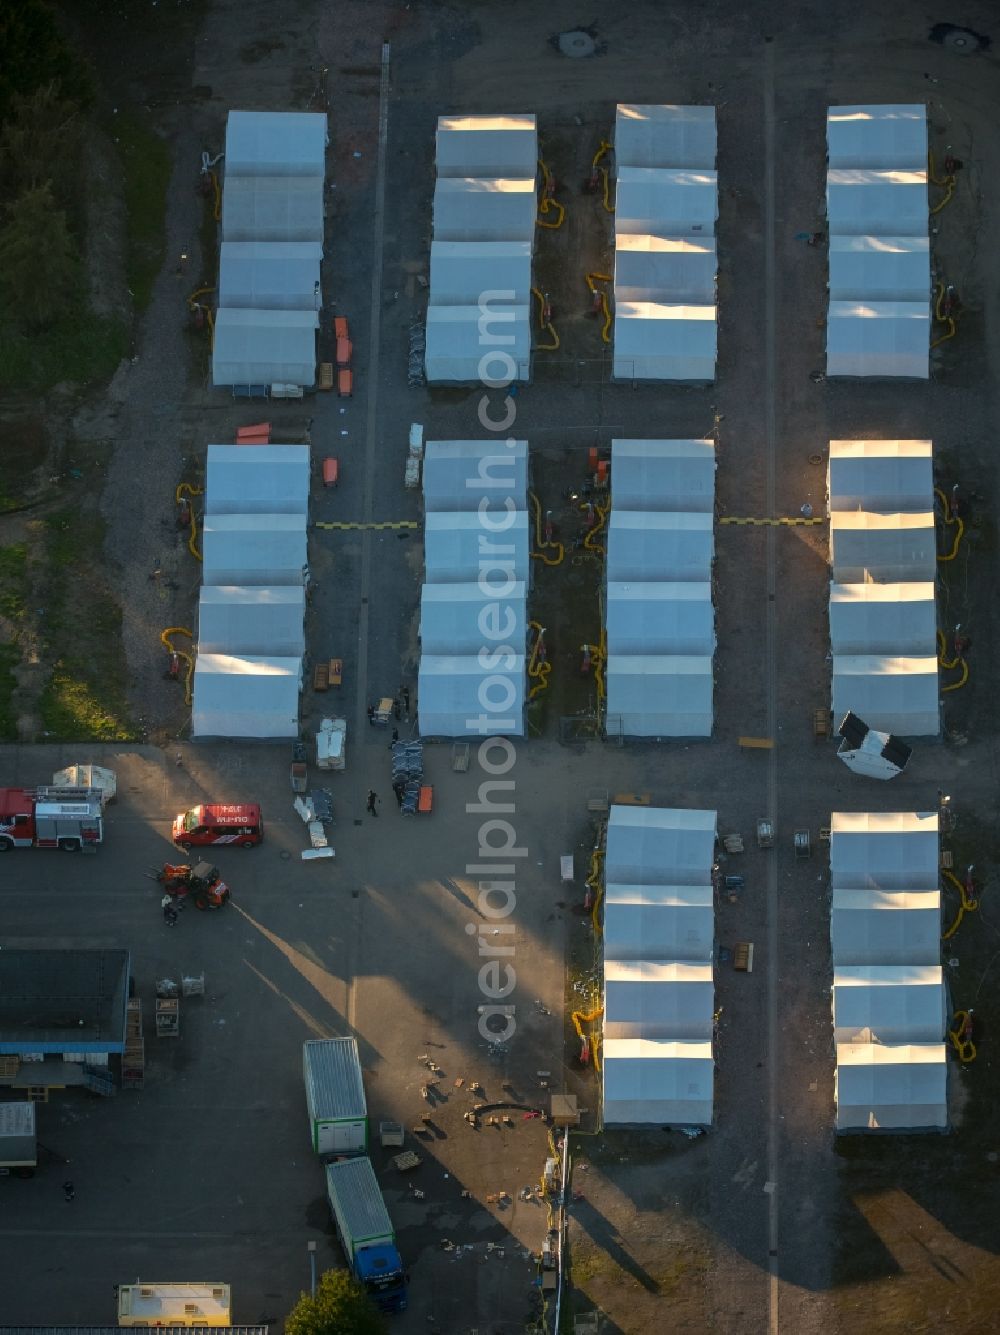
<point>872,1235</point>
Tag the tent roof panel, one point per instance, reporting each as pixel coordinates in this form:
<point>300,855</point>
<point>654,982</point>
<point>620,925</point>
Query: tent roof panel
<point>663,475</point>
<point>462,271</point>
<point>273,208</point>
<point>487,146</point>
<point>253,549</point>
<point>870,202</point>
<point>664,135</point>
<point>454,554</point>
<point>460,619</point>
<point>455,351</point>
<point>880,268</point>
<point>667,546</point>
<point>484,209</point>
<point>887,548</point>
<point>458,474</point>
<point>456,693</point>
<point>267,621</point>
<point>666,201</point>
<point>885,619</point>
<point>257,479</point>
<point>270,275</point>
<point>897,850</point>
<point>877,135</point>
<point>891,1087</point>
<point>656,1081</point>
<point>658,270</point>
<point>275,143</point>
<point>246,696</point>
<point>659,695</point>
<point>660,618</point>
<point>878,926</point>
<point>655,341</point>
<point>886,475</point>
<point>895,695</point>
<point>257,347</point>
<point>660,846</point>
<point>887,339</point>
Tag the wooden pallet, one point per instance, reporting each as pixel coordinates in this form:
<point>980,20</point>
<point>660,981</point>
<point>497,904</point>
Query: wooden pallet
<point>321,677</point>
<point>743,956</point>
<point>821,723</point>
<point>406,1161</point>
<point>324,378</point>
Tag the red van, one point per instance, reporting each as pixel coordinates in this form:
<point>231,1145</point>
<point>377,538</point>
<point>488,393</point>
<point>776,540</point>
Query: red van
<point>215,825</point>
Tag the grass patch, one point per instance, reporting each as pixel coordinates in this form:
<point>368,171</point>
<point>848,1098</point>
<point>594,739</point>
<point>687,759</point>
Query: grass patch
<point>146,161</point>
<point>74,709</point>
<point>10,656</point>
<point>79,347</point>
<point>14,584</point>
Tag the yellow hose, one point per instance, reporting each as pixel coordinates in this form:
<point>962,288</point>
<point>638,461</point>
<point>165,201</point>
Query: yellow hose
<point>598,660</point>
<point>949,320</point>
<point>602,515</point>
<point>581,1018</point>
<point>593,883</point>
<point>166,639</point>
<point>217,211</point>
<point>949,663</point>
<point>947,181</point>
<point>538,671</point>
<point>949,518</point>
<point>592,279</point>
<point>545,325</point>
<point>968,904</point>
<point>605,174</point>
<point>182,488</point>
<point>540,542</point>
<point>964,1047</point>
<point>547,201</point>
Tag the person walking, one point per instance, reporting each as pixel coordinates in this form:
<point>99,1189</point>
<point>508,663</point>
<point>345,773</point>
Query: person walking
<point>69,1191</point>
<point>399,788</point>
<point>373,799</point>
<point>371,716</point>
<point>405,693</point>
<point>395,709</point>
<point>169,910</point>
<point>395,736</point>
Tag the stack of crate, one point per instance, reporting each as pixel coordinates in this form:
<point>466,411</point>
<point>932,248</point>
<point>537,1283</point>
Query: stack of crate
<point>134,1056</point>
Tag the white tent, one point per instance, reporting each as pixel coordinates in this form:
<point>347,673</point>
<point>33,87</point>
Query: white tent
<point>273,208</point>
<point>458,548</point>
<point>643,999</point>
<point>668,546</point>
<point>659,618</point>
<point>655,341</point>
<point>884,850</point>
<point>880,268</point>
<point>869,201</point>
<point>246,696</point>
<point>265,348</point>
<point>484,209</point>
<point>878,338</point>
<point>463,619</point>
<point>887,475</point>
<point>255,620</point>
<point>656,1082</point>
<point>257,479</point>
<point>653,201</point>
<point>897,695</point>
<point>877,135</point>
<point>457,350</point>
<point>898,620</point>
<point>270,275</point>
<point>664,136</point>
<point>658,922</point>
<point>253,549</point>
<point>487,146</point>
<point>275,143</point>
<point>887,548</point>
<point>659,696</point>
<point>665,269</point>
<point>889,1003</point>
<point>459,474</point>
<point>457,697</point>
<point>463,271</point>
<point>674,475</point>
<point>659,846</point>
<point>891,1088</point>
<point>885,926</point>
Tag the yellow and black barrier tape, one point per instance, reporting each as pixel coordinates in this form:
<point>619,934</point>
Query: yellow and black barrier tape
<point>770,523</point>
<point>389,523</point>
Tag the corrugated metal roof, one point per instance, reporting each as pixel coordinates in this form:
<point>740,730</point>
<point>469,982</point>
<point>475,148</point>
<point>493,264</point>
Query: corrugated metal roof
<point>116,1330</point>
<point>360,1198</point>
<point>334,1087</point>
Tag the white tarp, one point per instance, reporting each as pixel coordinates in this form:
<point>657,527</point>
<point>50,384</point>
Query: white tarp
<point>664,136</point>
<point>897,620</point>
<point>457,619</point>
<point>457,697</point>
<point>897,695</point>
<point>869,201</point>
<point>458,352</point>
<point>652,201</point>
<point>658,922</point>
<point>659,696</point>
<point>253,549</point>
<point>273,208</point>
<point>885,927</point>
<point>659,846</point>
<point>888,475</point>
<point>251,697</point>
<point>895,850</point>
<point>275,143</point>
<point>487,146</point>
<point>257,479</point>
<point>655,341</point>
<point>263,621</point>
<point>880,268</point>
<point>645,617</point>
<point>459,474</point>
<point>459,549</point>
<point>270,275</point>
<point>891,1088</point>
<point>668,546</point>
<point>878,338</point>
<point>656,1082</point>
<point>665,269</point>
<point>463,271</point>
<point>877,135</point>
<point>646,999</point>
<point>889,1003</point>
<point>886,548</point>
<point>264,348</point>
<point>668,475</point>
<point>484,209</point>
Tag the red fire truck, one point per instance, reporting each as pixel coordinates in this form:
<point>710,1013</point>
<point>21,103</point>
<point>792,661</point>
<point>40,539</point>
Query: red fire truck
<point>68,818</point>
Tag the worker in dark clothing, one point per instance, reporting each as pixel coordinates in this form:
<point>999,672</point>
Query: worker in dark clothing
<point>372,805</point>
<point>405,693</point>
<point>399,788</point>
<point>396,709</point>
<point>169,910</point>
<point>395,736</point>
<point>371,716</point>
<point>69,1191</point>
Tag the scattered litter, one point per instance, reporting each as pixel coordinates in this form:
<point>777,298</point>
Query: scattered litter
<point>356,153</point>
<point>460,1081</point>
<point>418,1194</point>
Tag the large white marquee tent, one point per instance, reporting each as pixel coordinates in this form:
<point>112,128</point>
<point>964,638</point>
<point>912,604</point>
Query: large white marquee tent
<point>657,1082</point>
<point>254,620</point>
<point>643,544</point>
<point>462,271</point>
<point>664,475</point>
<point>897,850</point>
<point>888,1003</point>
<point>885,926</point>
<point>898,1087</point>
<point>888,548</point>
<point>878,135</point>
<point>674,202</point>
<point>881,475</point>
<point>878,338</point>
<point>458,619</point>
<point>671,270</point>
<point>667,695</point>
<point>456,694</point>
<point>664,136</point>
<point>656,341</point>
<point>257,479</point>
<point>246,696</point>
<point>264,347</point>
<point>484,209</point>
<point>459,549</point>
<point>880,268</point>
<point>647,617</point>
<point>253,549</point>
<point>456,351</point>
<point>270,275</point>
<point>505,146</point>
<point>273,208</point>
<point>899,620</point>
<point>659,846</point>
<point>460,474</point>
<point>658,922</point>
<point>896,695</point>
<point>270,143</point>
<point>648,999</point>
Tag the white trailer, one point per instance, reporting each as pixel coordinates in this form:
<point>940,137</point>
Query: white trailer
<point>335,1097</point>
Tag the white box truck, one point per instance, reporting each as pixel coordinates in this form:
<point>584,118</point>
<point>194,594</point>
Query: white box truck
<point>365,1232</point>
<point>173,1304</point>
<point>335,1097</point>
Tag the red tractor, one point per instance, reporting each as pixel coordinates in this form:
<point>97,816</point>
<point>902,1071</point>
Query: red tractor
<point>201,883</point>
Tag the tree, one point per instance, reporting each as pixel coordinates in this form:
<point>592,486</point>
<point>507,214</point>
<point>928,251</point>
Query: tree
<point>41,141</point>
<point>39,264</point>
<point>35,52</point>
<point>341,1307</point>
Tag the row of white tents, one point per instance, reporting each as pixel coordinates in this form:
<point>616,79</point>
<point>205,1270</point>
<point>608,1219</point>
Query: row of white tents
<point>879,316</point>
<point>890,1004</point>
<point>479,303</point>
<point>883,558</point>
<point>658,613</point>
<point>473,604</point>
<point>272,245</point>
<point>666,206</point>
<point>251,612</point>
<point>659,992</point>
